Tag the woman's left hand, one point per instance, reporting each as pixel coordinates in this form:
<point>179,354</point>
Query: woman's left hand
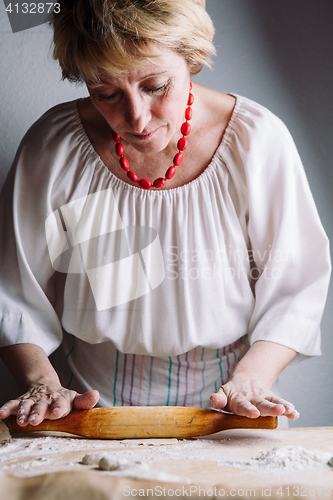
<point>251,398</point>
<point>247,392</point>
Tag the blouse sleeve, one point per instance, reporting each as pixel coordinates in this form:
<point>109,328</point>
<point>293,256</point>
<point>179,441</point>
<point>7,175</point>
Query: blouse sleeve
<point>27,279</point>
<point>287,244</point>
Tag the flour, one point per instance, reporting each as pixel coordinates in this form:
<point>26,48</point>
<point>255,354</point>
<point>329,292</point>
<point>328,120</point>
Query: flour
<point>277,459</point>
<point>284,458</point>
<point>117,465</point>
<point>30,456</point>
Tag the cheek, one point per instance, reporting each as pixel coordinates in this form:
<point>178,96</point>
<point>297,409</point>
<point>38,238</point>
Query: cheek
<point>173,110</point>
<point>110,116</point>
<point>99,106</point>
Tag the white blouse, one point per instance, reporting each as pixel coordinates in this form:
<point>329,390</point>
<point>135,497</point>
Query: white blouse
<point>157,294</point>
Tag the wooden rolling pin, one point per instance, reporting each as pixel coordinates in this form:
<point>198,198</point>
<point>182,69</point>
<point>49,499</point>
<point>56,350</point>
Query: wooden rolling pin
<point>145,422</point>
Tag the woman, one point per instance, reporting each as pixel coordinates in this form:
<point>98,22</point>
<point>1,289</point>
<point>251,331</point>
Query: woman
<point>163,232</point>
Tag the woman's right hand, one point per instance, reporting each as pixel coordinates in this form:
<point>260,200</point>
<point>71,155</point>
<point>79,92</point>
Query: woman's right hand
<point>51,401</point>
<point>44,396</point>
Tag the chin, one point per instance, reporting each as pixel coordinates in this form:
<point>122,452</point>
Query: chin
<point>150,146</point>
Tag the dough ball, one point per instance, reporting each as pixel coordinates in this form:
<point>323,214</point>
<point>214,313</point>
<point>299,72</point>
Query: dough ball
<point>92,458</point>
<point>4,433</point>
<point>110,462</point>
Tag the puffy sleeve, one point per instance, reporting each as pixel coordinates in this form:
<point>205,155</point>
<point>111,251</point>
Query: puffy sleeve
<point>28,295</point>
<point>287,244</point>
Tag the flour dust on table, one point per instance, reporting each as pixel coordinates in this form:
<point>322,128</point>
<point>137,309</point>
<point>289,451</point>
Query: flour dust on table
<point>284,457</point>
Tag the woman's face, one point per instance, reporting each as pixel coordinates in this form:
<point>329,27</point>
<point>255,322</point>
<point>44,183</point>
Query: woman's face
<point>146,106</point>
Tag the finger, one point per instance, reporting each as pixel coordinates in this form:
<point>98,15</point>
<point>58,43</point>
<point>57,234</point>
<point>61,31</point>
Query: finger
<point>243,407</point>
<point>9,408</point>
<point>86,401</point>
<point>218,399</point>
<point>60,407</point>
<point>294,415</point>
<point>23,411</point>
<point>269,409</point>
<point>290,411</point>
<point>289,407</point>
<point>38,412</point>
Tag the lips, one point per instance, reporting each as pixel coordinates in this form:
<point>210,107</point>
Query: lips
<point>144,137</point>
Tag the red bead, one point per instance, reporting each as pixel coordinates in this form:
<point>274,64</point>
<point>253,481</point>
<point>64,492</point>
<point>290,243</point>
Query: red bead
<point>190,99</point>
<point>186,128</point>
<point>124,163</point>
<point>178,158</point>
<point>115,137</point>
<point>158,183</point>
<point>182,144</point>
<point>170,172</point>
<point>145,183</point>
<point>132,176</point>
<point>188,113</point>
<point>119,149</point>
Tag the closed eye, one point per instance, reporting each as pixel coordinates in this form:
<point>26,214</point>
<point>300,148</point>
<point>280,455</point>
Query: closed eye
<point>156,90</point>
<point>102,97</point>
<point>112,97</point>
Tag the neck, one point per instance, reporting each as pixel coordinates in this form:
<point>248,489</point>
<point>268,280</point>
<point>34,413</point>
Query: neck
<point>182,144</point>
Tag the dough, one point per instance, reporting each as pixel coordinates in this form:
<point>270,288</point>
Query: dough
<point>92,458</point>
<point>71,485</point>
<point>110,462</point>
<point>149,442</point>
<point>4,433</point>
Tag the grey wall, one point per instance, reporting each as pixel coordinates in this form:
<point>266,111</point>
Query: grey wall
<point>280,54</point>
<point>277,53</point>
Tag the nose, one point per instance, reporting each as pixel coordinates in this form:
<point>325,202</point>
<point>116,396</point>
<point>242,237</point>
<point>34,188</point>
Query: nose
<point>137,114</point>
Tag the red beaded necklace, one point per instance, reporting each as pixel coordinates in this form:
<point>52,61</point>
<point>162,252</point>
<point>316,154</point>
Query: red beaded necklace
<point>181,145</point>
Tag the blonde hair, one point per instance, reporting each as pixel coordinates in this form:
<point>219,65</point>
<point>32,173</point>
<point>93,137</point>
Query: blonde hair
<point>94,36</point>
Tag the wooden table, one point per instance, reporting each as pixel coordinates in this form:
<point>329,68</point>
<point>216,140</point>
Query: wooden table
<point>48,467</point>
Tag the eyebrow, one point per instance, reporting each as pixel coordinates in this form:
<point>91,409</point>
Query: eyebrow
<point>153,74</point>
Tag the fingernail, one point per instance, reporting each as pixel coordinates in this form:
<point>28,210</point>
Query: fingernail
<point>4,407</point>
<point>21,411</point>
<point>21,420</point>
<point>32,417</point>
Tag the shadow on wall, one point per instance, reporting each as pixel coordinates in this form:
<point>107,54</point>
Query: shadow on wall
<point>5,163</point>
<point>299,37</point>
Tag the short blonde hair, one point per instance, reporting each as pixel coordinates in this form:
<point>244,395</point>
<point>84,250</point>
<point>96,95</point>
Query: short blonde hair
<point>93,36</point>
